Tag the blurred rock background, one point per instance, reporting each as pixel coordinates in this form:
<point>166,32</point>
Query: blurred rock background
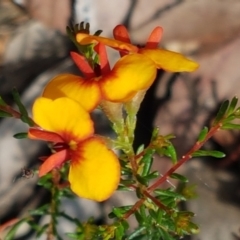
<point>34,48</point>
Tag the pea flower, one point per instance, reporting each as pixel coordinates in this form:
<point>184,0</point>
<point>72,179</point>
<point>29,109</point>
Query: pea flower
<point>94,171</point>
<point>119,84</point>
<point>161,58</point>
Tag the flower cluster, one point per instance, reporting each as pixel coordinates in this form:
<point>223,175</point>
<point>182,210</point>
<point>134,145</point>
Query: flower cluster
<point>62,113</point>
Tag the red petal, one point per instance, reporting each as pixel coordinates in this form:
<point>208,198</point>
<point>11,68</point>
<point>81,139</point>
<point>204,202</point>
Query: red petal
<point>154,38</point>
<point>104,63</point>
<point>9,223</point>
<point>82,64</point>
<point>120,33</point>
<point>39,134</point>
<point>55,160</point>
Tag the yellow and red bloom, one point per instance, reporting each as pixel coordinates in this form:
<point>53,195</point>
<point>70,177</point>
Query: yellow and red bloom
<point>161,58</point>
<point>133,72</point>
<point>94,171</point>
<point>129,75</point>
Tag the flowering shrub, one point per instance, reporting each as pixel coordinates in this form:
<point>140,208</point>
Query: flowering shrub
<point>91,166</point>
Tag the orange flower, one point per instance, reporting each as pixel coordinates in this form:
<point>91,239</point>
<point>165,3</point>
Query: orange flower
<point>162,59</point>
<point>94,169</point>
<point>130,74</point>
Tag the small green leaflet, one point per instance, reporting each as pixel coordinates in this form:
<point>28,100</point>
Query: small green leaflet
<point>210,153</point>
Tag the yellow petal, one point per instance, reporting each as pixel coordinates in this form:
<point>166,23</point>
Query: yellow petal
<point>63,116</point>
<point>94,171</point>
<point>170,61</point>
<point>130,74</point>
<point>85,39</point>
<point>86,92</point>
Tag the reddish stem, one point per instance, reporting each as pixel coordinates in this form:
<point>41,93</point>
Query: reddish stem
<point>157,202</point>
<point>134,208</point>
<point>8,224</point>
<point>185,158</point>
<point>14,113</point>
<point>11,111</point>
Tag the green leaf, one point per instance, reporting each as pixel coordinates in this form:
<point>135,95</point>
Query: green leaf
<point>222,111</point>
<point>147,161</point>
<point>188,191</point>
<point>119,211</point>
<point>193,228</point>
<point>46,181</point>
<point>75,236</point>
<point>179,177</point>
<point>140,149</point>
<point>123,188</point>
<point>171,152</point>
<point>153,214</point>
<point>202,135</point>
<point>159,216</point>
<point>43,210</point>
<point>69,218</point>
<point>10,235</point>
<point>229,119</point>
<point>168,151</point>
<point>137,233</point>
<point>42,230</point>
<point>5,114</point>
<point>142,211</point>
<point>139,217</point>
<point>166,236</point>
<point>210,153</point>
<point>168,193</point>
<point>126,172</point>
<point>119,231</point>
<point>35,226</point>
<point>142,180</point>
<point>232,105</point>
<point>147,156</point>
<point>155,133</point>
<point>139,193</point>
<point>17,100</point>
<point>228,126</point>
<point>237,112</point>
<point>127,181</point>
<point>151,176</point>
<point>2,103</point>
<point>24,114</point>
<point>20,135</point>
<point>27,120</point>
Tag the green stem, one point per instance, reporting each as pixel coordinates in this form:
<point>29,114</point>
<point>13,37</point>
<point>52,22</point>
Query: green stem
<point>54,206</point>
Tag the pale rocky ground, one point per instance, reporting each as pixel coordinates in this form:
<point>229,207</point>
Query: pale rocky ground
<point>33,48</point>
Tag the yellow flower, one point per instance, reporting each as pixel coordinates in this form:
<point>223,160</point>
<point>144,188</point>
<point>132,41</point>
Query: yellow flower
<point>94,169</point>
<point>161,59</point>
<point>129,75</point>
